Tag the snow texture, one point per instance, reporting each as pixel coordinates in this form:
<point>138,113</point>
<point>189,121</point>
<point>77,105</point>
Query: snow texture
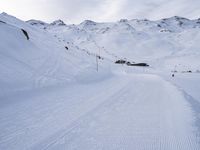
<point>61,89</point>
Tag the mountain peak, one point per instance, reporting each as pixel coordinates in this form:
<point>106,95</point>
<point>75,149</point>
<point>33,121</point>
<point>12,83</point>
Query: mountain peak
<point>58,22</point>
<point>4,13</point>
<point>177,18</point>
<point>123,20</point>
<point>88,22</point>
<point>36,22</point>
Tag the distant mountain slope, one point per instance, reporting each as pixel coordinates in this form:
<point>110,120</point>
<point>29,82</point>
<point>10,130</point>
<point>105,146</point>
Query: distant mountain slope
<point>38,61</point>
<point>60,53</point>
<point>99,85</point>
<point>157,42</point>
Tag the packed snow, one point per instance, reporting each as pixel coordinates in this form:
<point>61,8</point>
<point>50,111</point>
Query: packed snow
<point>61,88</point>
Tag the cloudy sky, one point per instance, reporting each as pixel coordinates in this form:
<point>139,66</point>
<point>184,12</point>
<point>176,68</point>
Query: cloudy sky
<point>75,11</point>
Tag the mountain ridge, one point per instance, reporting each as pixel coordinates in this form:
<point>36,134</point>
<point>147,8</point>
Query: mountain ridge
<point>166,44</point>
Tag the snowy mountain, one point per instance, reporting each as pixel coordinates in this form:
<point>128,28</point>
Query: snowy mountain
<point>84,86</point>
<point>42,58</point>
<point>139,40</point>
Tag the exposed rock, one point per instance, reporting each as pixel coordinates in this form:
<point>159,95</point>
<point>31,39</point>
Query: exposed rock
<point>58,22</point>
<point>25,33</point>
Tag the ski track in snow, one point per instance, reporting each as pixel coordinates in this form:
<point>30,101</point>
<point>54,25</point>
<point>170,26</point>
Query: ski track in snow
<point>52,98</point>
<point>127,112</point>
<point>132,120</point>
<point>194,102</point>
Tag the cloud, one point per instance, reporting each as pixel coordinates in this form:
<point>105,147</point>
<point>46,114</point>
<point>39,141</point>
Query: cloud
<point>157,9</point>
<point>79,10</point>
<point>75,11</point>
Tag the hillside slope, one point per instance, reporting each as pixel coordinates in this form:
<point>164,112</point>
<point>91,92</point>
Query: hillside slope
<point>172,42</point>
<point>39,61</point>
<point>60,87</point>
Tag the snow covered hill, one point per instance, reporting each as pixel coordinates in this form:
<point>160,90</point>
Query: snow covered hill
<point>60,87</point>
<point>38,61</point>
<point>167,42</point>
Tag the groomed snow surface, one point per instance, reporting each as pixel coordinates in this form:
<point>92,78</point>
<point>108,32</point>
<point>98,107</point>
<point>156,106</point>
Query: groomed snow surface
<point>53,98</point>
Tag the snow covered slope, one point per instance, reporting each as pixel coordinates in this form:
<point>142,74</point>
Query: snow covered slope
<point>38,61</point>
<point>167,42</point>
<point>61,89</point>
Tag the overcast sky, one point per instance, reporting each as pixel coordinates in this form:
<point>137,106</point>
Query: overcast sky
<point>75,11</point>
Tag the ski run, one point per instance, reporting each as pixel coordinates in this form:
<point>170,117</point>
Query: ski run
<point>52,97</point>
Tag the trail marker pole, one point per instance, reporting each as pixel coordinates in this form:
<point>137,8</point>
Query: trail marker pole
<point>97,63</point>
